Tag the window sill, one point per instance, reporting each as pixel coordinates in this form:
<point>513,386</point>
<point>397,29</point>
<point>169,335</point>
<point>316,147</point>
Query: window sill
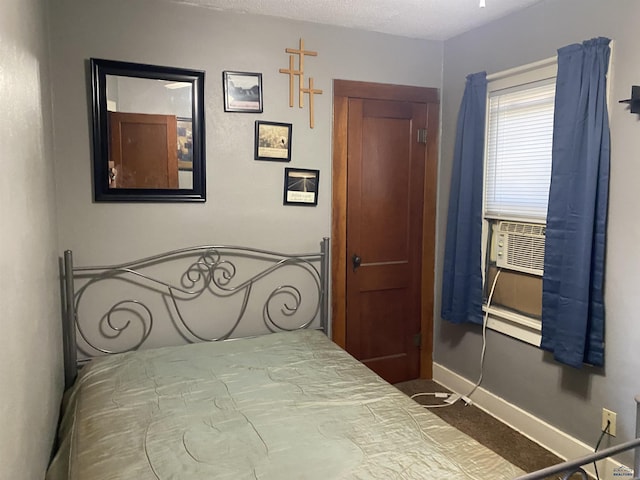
<point>515,325</point>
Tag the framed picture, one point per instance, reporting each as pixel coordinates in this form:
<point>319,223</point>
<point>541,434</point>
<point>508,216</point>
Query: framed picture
<point>273,141</point>
<point>301,186</point>
<point>185,144</point>
<point>242,92</point>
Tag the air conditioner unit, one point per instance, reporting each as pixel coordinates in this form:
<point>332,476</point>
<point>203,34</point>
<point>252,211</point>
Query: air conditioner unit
<point>520,247</point>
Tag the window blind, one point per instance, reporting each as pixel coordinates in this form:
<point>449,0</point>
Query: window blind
<point>518,157</point>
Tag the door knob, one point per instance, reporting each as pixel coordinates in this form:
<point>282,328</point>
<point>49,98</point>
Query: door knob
<point>356,261</point>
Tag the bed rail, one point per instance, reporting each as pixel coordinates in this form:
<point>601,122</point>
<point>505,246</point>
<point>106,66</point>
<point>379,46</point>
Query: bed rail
<point>293,292</point>
<point>572,467</point>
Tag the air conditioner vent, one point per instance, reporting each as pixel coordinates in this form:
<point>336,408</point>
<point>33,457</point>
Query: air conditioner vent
<point>520,247</point>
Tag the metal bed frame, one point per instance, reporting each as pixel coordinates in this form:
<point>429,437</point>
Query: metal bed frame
<point>572,467</point>
<point>217,270</point>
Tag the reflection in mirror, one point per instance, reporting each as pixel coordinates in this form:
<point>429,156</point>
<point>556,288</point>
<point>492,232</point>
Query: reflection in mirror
<point>148,132</point>
<point>145,142</point>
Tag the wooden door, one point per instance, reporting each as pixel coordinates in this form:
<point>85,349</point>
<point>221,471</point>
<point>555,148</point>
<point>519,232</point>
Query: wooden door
<point>388,178</point>
<point>144,150</point>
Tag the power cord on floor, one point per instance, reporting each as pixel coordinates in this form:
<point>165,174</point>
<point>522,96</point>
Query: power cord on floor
<point>444,395</point>
<point>452,398</point>
<point>604,431</point>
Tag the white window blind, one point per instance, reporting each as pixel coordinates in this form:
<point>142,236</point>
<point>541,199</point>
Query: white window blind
<point>518,157</point>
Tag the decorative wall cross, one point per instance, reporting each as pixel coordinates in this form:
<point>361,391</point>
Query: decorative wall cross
<point>292,72</point>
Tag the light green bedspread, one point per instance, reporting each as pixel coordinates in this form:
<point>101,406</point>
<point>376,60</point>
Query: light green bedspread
<point>280,406</point>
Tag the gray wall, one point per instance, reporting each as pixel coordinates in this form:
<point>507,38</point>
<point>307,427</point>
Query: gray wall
<point>567,398</point>
<point>30,345</point>
<point>244,196</point>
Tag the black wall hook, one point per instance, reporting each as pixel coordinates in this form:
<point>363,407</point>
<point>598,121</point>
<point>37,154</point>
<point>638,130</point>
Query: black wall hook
<point>634,101</point>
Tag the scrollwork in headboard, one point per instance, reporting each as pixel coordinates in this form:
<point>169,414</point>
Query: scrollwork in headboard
<point>117,308</point>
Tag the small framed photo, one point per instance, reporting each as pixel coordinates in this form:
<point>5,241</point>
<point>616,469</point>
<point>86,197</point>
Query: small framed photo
<point>273,141</point>
<point>242,92</point>
<point>301,186</point>
<point>185,144</point>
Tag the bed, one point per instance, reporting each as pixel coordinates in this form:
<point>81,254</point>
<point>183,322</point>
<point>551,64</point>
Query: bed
<point>275,399</point>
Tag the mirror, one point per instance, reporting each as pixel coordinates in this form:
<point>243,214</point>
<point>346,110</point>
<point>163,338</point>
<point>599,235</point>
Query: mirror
<point>148,133</point>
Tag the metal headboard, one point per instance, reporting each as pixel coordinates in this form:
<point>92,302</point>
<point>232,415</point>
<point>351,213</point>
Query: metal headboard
<point>210,269</point>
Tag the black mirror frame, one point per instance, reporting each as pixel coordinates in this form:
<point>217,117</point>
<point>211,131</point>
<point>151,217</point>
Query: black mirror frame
<point>100,68</point>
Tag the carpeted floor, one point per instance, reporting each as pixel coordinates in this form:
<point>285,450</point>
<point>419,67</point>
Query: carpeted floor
<point>492,433</point>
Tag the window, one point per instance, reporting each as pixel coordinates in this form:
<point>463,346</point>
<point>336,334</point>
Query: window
<point>518,147</point>
<point>518,155</point>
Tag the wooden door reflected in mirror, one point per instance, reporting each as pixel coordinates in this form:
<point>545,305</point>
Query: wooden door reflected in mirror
<point>143,151</point>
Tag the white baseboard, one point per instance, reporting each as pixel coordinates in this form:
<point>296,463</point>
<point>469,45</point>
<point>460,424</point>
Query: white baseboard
<point>544,434</point>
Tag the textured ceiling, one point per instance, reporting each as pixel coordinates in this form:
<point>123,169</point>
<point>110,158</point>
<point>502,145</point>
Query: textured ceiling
<point>427,19</point>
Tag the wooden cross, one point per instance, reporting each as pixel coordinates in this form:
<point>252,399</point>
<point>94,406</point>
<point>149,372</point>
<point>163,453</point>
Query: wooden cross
<point>311,91</point>
<point>301,52</point>
<point>292,74</point>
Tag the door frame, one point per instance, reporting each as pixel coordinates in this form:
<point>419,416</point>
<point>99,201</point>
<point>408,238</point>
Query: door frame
<point>343,90</point>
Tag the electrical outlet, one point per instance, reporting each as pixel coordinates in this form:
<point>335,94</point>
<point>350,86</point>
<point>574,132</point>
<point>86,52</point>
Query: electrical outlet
<point>608,415</point>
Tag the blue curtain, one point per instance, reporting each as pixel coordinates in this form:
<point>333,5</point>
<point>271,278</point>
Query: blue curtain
<point>462,275</point>
<point>572,291</point>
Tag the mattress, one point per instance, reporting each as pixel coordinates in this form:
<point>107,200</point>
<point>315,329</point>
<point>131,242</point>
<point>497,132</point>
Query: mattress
<point>288,405</point>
